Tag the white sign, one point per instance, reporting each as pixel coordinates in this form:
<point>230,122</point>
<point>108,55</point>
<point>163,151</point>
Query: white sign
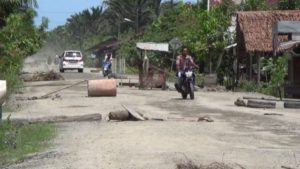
<point>164,47</point>
<point>2,90</point>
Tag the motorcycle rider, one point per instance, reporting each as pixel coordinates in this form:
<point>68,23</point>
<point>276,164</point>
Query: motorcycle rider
<point>106,65</point>
<point>108,57</point>
<point>183,62</point>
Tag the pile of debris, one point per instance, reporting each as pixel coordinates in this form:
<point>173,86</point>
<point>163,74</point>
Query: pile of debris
<point>128,114</point>
<point>191,165</point>
<point>48,76</point>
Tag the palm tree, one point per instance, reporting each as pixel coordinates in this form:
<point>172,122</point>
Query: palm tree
<point>141,12</point>
<point>20,3</point>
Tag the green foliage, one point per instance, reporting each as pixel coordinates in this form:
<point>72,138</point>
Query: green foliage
<point>247,86</point>
<point>18,141</point>
<point>279,71</point>
<point>141,12</point>
<point>128,48</point>
<point>8,7</point>
<point>225,72</point>
<point>203,32</point>
<point>163,29</point>
<point>228,7</point>
<point>253,5</point>
<point>289,4</point>
<point>18,38</point>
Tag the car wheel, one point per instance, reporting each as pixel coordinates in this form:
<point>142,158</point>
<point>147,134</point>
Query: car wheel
<point>80,70</point>
<point>61,70</point>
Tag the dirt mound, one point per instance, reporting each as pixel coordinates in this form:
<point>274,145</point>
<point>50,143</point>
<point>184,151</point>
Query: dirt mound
<point>49,76</point>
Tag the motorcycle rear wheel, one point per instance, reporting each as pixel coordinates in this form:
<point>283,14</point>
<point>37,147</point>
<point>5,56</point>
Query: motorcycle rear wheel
<point>184,95</point>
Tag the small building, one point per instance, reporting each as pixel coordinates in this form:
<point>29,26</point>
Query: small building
<point>103,48</point>
<point>109,46</point>
<point>255,38</point>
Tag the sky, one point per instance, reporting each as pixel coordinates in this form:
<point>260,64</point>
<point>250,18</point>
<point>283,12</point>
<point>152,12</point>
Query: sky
<point>59,11</point>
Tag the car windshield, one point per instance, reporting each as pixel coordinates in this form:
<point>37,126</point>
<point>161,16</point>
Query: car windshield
<point>73,54</point>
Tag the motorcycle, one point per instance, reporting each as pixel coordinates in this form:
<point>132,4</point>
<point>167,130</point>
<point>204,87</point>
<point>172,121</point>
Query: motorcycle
<point>188,84</point>
<point>106,69</point>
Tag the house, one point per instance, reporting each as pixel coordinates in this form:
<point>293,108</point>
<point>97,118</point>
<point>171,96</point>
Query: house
<point>292,30</point>
<point>255,38</point>
<point>105,47</point>
<point>109,46</point>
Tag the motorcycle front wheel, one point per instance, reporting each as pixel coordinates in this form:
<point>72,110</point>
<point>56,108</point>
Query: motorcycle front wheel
<point>184,95</point>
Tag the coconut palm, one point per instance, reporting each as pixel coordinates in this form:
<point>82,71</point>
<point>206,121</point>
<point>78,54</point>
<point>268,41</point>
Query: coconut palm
<point>141,12</point>
<point>19,3</point>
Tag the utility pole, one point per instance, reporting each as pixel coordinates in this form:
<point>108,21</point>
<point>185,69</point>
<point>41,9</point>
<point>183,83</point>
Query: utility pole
<point>119,30</point>
<point>208,5</point>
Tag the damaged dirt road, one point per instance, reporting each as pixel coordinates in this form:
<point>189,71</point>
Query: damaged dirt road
<point>239,137</point>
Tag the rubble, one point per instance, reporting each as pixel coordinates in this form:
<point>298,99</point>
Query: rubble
<point>48,76</point>
<point>205,119</point>
<point>191,165</point>
<point>240,102</point>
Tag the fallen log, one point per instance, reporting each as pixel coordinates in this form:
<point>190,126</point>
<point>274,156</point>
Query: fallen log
<point>119,115</point>
<point>61,119</point>
<point>270,99</point>
<point>292,105</point>
<point>261,104</point>
<point>273,114</point>
<point>126,115</point>
<point>261,98</point>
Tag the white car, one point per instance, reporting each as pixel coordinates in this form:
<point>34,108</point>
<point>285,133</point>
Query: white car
<point>71,60</point>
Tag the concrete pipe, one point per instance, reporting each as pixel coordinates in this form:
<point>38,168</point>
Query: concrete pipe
<point>105,87</point>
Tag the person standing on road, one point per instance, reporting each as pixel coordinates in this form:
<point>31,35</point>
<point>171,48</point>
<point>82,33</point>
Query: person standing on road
<point>183,62</point>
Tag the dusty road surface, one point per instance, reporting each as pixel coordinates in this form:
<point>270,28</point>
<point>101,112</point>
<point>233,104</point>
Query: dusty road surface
<point>238,136</point>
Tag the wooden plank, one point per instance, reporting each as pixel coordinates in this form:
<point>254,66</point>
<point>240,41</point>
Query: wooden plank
<point>134,113</point>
